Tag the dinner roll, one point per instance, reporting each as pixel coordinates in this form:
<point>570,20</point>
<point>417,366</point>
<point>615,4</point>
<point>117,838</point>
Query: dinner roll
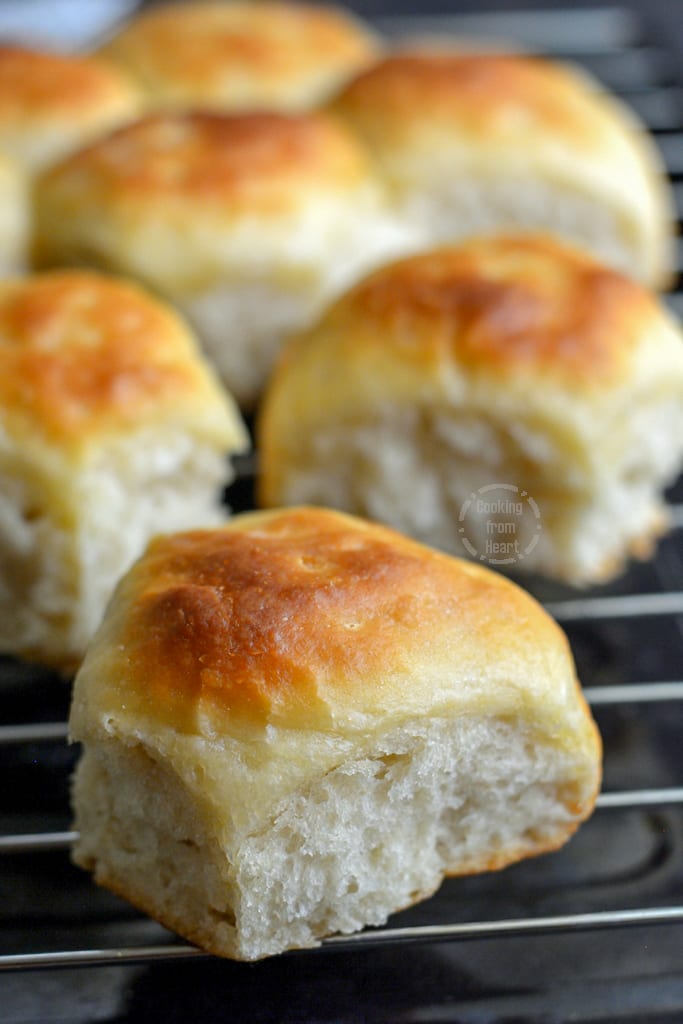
<point>242,55</point>
<point>52,103</point>
<point>511,369</point>
<point>248,223</point>
<point>299,723</point>
<point>111,430</point>
<point>482,142</point>
<point>14,217</point>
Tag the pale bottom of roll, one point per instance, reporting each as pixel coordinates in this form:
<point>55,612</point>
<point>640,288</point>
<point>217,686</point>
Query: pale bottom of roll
<point>59,569</point>
<point>14,224</point>
<point>243,328</point>
<point>429,473</point>
<point>461,206</point>
<point>377,833</point>
<point>244,324</point>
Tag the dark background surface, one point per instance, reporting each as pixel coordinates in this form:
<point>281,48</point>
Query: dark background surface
<point>662,19</point>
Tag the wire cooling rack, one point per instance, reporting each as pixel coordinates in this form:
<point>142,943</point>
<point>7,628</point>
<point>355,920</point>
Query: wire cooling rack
<point>622,871</point>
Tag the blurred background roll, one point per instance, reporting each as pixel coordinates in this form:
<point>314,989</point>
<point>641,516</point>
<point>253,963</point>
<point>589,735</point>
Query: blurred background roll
<point>241,55</point>
<point>511,360</point>
<point>248,223</point>
<point>14,216</point>
<point>112,429</point>
<point>50,104</point>
<point>478,142</point>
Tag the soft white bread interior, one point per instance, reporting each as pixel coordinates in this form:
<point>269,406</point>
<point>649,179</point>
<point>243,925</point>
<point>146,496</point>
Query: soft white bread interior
<point>274,55</point>
<point>248,223</point>
<point>14,217</point>
<point>484,142</point>
<point>50,103</point>
<point>299,723</point>
<point>112,429</point>
<point>509,361</point>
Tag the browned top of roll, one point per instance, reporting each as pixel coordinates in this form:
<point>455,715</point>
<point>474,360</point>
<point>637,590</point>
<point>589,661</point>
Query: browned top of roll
<point>83,355</point>
<point>281,55</point>
<point>259,161</point>
<point>482,94</point>
<point>518,308</point>
<point>506,305</point>
<point>49,102</point>
<point>306,617</point>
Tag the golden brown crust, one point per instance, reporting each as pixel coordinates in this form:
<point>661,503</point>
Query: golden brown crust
<point>517,307</point>
<point>255,162</point>
<point>506,305</point>
<point>75,95</point>
<point>191,203</point>
<point>491,97</point>
<point>483,94</point>
<point>36,83</point>
<point>297,616</point>
<point>242,55</point>
<point>82,354</point>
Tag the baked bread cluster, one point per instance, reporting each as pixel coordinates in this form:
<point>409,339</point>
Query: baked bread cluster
<point>250,198</point>
<point>299,723</point>
<point>427,274</point>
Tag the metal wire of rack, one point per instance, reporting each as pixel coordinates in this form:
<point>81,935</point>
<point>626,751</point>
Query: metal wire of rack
<point>641,616</point>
